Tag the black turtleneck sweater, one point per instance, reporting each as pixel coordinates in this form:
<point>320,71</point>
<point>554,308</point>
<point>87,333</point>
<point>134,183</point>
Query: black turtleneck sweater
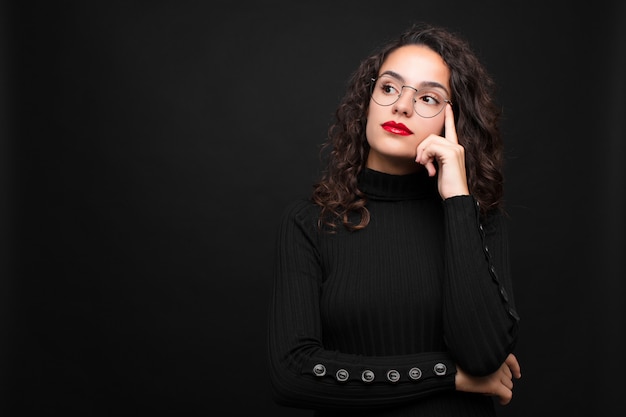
<point>375,322</point>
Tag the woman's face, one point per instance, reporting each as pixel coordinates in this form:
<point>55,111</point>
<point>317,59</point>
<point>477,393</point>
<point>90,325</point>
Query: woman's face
<point>394,131</point>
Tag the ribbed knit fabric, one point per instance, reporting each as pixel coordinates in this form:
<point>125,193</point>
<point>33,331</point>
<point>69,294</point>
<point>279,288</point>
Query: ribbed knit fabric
<point>375,322</point>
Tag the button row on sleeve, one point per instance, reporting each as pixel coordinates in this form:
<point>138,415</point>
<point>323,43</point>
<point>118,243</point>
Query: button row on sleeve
<point>492,269</point>
<point>367,376</point>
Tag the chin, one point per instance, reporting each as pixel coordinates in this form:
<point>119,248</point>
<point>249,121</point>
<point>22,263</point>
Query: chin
<point>403,155</point>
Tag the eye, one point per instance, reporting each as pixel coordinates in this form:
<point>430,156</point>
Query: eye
<point>430,98</point>
<point>389,88</point>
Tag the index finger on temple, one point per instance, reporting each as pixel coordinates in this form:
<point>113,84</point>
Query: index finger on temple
<point>450,128</point>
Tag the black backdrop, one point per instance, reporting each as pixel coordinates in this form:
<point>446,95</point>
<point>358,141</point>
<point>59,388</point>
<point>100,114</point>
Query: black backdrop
<point>149,147</point>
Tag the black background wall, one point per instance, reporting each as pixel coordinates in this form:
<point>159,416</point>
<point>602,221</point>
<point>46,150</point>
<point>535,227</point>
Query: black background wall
<point>149,147</point>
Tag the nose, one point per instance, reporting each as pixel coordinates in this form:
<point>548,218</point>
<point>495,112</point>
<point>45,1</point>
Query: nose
<point>404,104</point>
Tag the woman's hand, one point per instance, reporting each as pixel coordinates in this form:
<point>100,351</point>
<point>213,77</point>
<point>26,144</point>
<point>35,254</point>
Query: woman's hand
<point>450,157</point>
<point>498,384</point>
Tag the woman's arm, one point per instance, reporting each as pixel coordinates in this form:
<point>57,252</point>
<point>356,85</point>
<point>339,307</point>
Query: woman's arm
<point>480,321</point>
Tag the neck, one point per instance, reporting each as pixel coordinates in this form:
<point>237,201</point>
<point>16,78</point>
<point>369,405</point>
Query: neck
<point>394,167</point>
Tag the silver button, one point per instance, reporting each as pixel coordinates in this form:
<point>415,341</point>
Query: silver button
<point>367,376</point>
<point>342,375</point>
<point>393,375</point>
<point>319,370</point>
<point>415,373</point>
<point>440,369</point>
<point>505,295</point>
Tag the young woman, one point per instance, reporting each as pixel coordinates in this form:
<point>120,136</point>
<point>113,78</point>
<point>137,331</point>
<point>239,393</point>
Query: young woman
<point>392,292</point>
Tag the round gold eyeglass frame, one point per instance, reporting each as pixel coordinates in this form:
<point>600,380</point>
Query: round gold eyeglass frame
<point>402,87</point>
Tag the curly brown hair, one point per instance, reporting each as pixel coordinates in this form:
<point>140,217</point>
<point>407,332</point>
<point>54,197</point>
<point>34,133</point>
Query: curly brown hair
<point>476,118</point>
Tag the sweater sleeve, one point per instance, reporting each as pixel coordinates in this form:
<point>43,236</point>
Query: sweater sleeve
<point>303,373</point>
<point>480,321</point>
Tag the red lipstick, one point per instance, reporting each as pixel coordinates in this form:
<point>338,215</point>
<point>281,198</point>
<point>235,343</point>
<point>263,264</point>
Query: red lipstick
<point>396,128</point>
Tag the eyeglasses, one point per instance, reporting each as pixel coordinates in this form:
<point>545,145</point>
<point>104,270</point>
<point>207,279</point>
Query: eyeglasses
<point>427,102</point>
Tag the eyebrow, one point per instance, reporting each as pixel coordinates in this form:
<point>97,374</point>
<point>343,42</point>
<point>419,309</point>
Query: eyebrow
<point>421,85</point>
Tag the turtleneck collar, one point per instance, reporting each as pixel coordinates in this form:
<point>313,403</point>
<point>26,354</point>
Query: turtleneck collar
<point>381,186</point>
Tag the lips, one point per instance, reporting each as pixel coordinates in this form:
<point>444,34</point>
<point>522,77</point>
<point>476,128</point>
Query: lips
<point>396,128</point>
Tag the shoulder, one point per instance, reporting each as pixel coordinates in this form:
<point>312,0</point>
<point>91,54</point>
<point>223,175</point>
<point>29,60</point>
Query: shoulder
<point>300,206</point>
<point>299,220</point>
<point>302,210</point>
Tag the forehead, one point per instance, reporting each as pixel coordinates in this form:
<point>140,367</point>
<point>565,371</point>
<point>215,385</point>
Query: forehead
<point>417,64</point>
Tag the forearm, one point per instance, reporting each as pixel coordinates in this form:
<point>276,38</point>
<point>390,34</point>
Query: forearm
<point>480,321</point>
<point>304,374</point>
